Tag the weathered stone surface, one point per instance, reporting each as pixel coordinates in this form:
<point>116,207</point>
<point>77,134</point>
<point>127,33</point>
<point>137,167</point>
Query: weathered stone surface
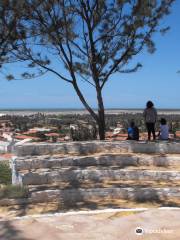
<point>10,202</point>
<point>93,171</point>
<point>29,163</point>
<point>79,176</point>
<point>67,148</point>
<point>121,160</point>
<point>77,195</point>
<point>97,146</point>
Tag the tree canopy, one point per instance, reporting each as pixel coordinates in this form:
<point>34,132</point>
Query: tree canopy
<point>9,27</point>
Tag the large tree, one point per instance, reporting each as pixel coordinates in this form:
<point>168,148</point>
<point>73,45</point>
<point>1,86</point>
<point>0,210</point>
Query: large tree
<point>93,39</point>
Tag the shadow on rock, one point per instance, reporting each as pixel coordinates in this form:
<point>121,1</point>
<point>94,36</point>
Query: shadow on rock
<point>9,232</point>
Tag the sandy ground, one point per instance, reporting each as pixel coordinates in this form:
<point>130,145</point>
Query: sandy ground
<point>156,224</point>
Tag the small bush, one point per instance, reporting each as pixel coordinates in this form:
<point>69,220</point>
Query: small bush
<point>5,173</point>
<point>11,191</point>
<point>84,133</point>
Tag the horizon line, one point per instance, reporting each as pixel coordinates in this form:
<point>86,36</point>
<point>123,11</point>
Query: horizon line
<point>79,109</point>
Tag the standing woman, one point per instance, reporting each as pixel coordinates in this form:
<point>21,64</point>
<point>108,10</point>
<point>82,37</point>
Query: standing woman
<point>150,117</point>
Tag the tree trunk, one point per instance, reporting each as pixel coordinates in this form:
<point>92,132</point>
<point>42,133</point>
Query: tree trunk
<point>101,115</point>
<point>82,99</point>
<point>101,129</point>
<point>99,118</point>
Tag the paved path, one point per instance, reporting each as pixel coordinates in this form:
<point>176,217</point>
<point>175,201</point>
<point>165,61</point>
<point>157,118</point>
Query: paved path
<point>157,225</point>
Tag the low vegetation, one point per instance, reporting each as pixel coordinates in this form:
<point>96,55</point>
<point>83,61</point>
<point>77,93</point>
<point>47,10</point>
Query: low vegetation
<point>6,189</point>
<point>62,122</point>
<point>11,191</point>
<point>5,173</point>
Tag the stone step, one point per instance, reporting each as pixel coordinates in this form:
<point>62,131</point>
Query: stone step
<point>119,160</point>
<point>99,196</point>
<point>93,175</point>
<point>104,184</point>
<point>91,147</point>
<point>85,199</point>
<point>99,173</point>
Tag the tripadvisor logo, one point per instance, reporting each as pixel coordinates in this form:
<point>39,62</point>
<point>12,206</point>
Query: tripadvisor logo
<point>139,231</point>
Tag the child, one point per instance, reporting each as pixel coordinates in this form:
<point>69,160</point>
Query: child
<point>133,132</point>
<point>164,130</point>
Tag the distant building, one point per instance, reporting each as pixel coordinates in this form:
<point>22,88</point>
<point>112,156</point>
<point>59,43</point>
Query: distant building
<point>4,147</point>
<point>36,129</point>
<point>8,136</point>
<point>74,126</point>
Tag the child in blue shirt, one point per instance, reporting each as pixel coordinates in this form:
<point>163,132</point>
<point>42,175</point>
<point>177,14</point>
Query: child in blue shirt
<point>133,132</point>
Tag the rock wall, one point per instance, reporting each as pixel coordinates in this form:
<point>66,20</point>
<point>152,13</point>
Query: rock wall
<point>99,171</point>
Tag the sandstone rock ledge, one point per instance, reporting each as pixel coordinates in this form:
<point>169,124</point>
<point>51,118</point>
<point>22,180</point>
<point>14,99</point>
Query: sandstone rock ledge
<point>99,173</point>
<point>84,148</point>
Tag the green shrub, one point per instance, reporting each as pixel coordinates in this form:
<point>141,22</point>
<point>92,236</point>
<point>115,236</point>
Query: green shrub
<point>5,173</point>
<point>11,191</point>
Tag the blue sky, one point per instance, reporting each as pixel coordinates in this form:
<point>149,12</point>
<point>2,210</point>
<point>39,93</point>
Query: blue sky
<point>158,81</point>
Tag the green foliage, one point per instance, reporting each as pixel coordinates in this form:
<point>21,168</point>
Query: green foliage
<point>10,77</point>
<point>11,191</point>
<point>41,135</point>
<point>5,173</point>
<point>6,189</point>
<point>9,30</point>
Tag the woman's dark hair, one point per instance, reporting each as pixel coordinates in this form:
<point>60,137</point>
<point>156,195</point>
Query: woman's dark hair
<point>149,104</point>
<point>132,124</point>
<point>163,121</point>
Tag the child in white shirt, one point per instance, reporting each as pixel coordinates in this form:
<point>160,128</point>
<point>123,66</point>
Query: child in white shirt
<point>164,130</point>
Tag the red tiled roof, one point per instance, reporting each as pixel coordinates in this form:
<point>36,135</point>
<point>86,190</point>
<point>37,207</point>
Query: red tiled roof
<point>22,137</point>
<point>30,132</point>
<point>52,134</point>
<point>6,155</point>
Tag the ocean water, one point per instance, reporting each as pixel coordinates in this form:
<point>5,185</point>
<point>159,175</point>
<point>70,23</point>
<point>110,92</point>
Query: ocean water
<point>65,111</point>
